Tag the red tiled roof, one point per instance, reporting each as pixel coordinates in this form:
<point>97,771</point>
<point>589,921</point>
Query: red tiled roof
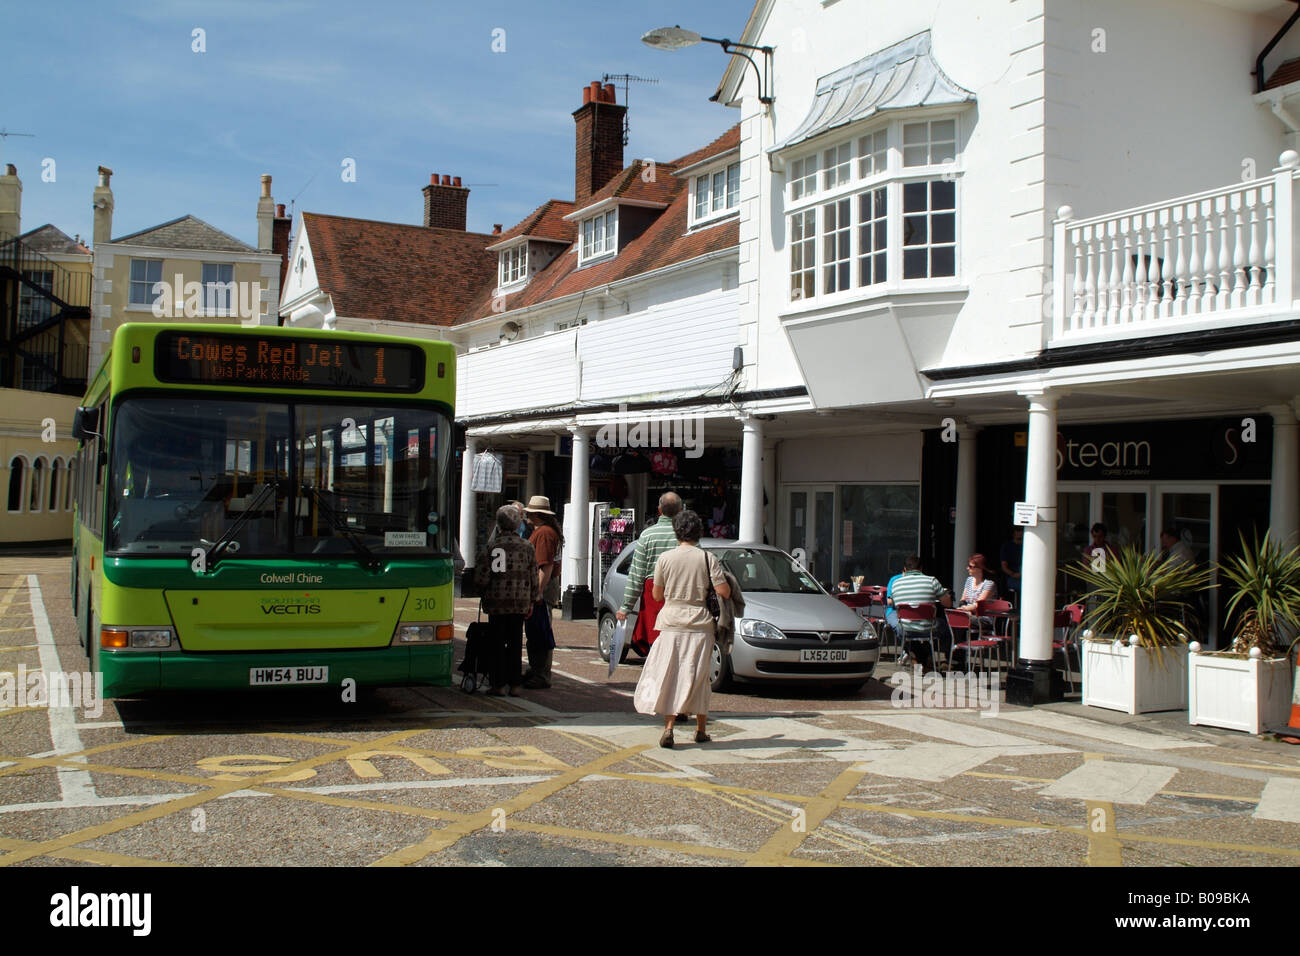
<point>1288,72</point>
<point>544,222</point>
<point>665,242</point>
<point>638,181</point>
<point>388,270</point>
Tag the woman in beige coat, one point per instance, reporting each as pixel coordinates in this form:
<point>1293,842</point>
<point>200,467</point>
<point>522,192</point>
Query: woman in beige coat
<point>675,679</point>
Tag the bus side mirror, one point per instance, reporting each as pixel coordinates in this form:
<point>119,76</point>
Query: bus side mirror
<point>85,424</point>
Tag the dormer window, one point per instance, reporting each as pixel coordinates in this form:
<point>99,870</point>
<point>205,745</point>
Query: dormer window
<point>599,235</point>
<point>716,193</point>
<point>513,265</point>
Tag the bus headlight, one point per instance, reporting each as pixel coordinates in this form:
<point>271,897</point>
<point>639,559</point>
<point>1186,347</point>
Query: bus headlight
<point>154,637</point>
<point>422,633</point>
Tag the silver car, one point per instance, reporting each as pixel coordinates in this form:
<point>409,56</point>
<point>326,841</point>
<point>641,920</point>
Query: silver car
<point>792,629</point>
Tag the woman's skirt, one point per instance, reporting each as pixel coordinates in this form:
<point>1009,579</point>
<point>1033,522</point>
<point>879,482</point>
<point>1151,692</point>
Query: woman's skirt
<point>675,678</point>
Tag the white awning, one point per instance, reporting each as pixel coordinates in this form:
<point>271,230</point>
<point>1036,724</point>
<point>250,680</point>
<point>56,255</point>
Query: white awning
<point>899,77</point>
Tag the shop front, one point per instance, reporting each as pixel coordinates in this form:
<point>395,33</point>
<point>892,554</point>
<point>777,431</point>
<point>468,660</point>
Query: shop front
<point>1206,479</point>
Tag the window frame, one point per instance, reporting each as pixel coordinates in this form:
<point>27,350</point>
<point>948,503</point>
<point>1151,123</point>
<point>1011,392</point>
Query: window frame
<point>720,198</point>
<point>865,178</point>
<point>510,272</point>
<point>588,250</point>
<point>211,286</point>
<point>132,282</point>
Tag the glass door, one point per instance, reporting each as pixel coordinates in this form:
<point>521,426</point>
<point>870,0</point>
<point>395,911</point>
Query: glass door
<point>1191,514</point>
<point>810,528</point>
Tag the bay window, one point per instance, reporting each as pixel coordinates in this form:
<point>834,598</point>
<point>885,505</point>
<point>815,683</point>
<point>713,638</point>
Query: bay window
<point>849,202</point>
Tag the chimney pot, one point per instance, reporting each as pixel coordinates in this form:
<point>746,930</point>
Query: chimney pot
<point>595,90</point>
<point>609,93</point>
<point>266,184</point>
<point>586,95</point>
<point>455,181</point>
<point>433,179</point>
<point>279,210</point>
<point>11,169</point>
<point>446,180</point>
<point>496,228</point>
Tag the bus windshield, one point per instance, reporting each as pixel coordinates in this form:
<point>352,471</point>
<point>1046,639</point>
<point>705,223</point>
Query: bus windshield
<point>277,479</point>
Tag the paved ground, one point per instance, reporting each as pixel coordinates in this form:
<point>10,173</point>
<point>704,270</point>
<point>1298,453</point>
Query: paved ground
<point>438,777</point>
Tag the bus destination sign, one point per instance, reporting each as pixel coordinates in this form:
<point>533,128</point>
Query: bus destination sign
<point>256,361</point>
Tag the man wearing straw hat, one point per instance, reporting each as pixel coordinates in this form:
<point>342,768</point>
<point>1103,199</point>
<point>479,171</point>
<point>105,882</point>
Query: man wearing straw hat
<point>546,540</point>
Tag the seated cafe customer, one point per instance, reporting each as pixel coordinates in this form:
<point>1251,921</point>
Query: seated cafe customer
<point>914,586</point>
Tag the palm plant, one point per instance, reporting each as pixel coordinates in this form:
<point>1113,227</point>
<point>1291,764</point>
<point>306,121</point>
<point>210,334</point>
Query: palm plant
<point>1267,592</point>
<point>1141,593</point>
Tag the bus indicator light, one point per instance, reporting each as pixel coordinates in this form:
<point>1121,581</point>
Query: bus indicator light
<point>113,637</point>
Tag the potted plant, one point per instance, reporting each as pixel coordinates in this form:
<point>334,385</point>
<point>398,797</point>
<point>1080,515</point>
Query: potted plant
<point>1248,685</point>
<point>1139,613</point>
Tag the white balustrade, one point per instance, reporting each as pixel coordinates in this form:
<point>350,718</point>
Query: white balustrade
<point>1224,252</point>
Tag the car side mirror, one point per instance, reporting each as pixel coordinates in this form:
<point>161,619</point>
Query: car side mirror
<point>85,424</point>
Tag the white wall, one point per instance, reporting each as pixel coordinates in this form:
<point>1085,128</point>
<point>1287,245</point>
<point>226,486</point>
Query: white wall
<point>851,458</point>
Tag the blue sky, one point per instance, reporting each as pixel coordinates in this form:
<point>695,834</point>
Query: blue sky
<point>292,88</point>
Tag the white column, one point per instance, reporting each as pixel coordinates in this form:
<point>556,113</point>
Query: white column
<point>577,524</point>
<point>1284,499</point>
<point>769,487</point>
<point>963,542</point>
<point>1038,567</point>
<point>468,504</point>
<point>533,485</point>
<point>751,481</point>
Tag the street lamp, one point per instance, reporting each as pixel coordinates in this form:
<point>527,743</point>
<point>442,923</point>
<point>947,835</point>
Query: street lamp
<point>675,38</point>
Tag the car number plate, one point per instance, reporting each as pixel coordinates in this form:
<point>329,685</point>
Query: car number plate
<point>823,655</point>
<point>260,676</point>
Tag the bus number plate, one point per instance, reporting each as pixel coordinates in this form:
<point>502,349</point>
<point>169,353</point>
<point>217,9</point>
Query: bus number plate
<point>259,676</point>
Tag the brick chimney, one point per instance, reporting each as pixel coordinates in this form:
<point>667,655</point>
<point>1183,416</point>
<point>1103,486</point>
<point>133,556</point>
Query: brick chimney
<point>102,200</point>
<point>598,154</point>
<point>280,239</point>
<point>11,202</point>
<point>445,203</point>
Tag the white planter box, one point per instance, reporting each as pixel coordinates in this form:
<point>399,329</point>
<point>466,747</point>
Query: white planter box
<point>1239,694</point>
<point>1132,680</point>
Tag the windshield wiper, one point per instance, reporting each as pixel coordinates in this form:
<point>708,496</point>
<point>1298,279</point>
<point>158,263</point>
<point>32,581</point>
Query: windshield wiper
<point>368,558</point>
<point>222,544</point>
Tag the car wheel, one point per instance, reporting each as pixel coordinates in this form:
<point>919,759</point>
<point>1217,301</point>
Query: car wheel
<point>719,669</point>
<point>605,635</point>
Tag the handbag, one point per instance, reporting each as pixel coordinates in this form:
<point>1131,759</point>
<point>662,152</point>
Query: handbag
<point>711,598</point>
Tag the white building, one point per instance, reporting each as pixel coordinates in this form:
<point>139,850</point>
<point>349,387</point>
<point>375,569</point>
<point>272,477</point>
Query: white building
<point>989,234</point>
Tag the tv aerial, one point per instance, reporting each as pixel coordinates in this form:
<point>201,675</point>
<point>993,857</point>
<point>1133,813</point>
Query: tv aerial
<point>4,134</point>
<point>626,78</point>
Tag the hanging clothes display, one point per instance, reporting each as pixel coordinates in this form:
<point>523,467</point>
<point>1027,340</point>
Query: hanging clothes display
<point>487,473</point>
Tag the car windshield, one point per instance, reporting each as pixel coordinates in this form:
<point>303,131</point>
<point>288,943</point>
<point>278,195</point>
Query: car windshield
<point>276,478</point>
<point>764,569</point>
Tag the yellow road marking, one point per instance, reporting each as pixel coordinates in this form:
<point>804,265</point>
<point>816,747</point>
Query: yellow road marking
<point>443,838</point>
<point>1103,846</point>
<point>7,711</point>
<point>157,811</point>
<point>363,768</point>
<point>91,856</point>
<point>787,839</point>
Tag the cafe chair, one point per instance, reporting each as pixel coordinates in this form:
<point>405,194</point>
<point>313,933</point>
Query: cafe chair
<point>1000,613</point>
<point>984,646</point>
<point>921,614</point>
<point>1065,631</point>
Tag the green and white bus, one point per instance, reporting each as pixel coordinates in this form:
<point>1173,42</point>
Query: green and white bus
<point>261,507</point>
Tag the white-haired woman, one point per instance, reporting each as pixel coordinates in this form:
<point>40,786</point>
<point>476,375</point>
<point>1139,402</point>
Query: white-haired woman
<point>675,679</point>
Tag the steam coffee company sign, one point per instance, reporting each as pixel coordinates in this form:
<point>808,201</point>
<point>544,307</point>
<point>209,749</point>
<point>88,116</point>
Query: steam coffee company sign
<point>1207,448</point>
